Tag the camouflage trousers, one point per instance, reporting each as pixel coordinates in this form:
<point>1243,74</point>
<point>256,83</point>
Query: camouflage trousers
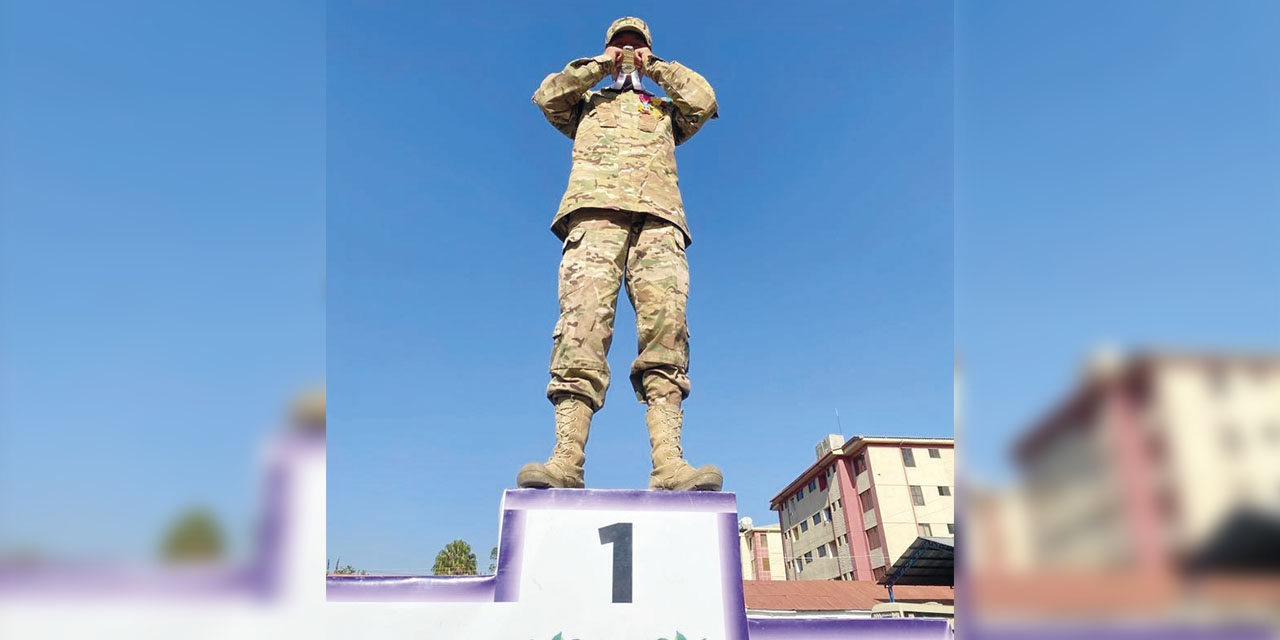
<point>603,249</point>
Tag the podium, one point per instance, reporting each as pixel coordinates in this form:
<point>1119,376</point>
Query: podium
<point>588,564</point>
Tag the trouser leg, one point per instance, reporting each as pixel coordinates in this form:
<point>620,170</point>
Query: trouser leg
<point>590,273</point>
<point>658,285</point>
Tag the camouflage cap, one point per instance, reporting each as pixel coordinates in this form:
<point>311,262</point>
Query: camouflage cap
<point>625,24</point>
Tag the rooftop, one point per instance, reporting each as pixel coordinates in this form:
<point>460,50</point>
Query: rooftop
<point>834,595</point>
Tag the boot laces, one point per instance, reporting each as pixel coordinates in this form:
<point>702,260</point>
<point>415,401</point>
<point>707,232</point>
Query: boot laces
<point>671,429</point>
<point>564,433</point>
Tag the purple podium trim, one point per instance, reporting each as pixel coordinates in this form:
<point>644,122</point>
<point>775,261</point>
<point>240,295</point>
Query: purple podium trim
<point>113,582</point>
<point>510,556</point>
<point>735,606</point>
<point>410,589</point>
<point>621,500</point>
<point>861,628</point>
<point>1120,631</point>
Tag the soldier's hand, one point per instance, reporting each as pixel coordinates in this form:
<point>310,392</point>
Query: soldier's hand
<point>614,54</point>
<point>642,59</point>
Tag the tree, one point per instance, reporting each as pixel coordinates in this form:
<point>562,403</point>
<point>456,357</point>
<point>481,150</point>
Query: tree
<point>339,569</point>
<point>455,559</point>
<point>194,537</point>
<point>493,560</point>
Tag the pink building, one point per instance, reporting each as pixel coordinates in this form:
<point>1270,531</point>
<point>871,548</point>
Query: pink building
<point>1141,463</point>
<point>852,513</point>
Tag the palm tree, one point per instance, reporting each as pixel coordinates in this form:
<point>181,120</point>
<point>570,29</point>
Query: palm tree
<point>455,559</point>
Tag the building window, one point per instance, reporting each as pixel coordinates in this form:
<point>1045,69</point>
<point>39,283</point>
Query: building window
<point>822,482</point>
<point>808,557</point>
<point>799,495</point>
<point>873,537</point>
<point>813,486</point>
<point>1217,378</point>
<point>924,530</point>
<point>1272,431</point>
<point>827,513</point>
<point>804,525</point>
<point>1230,439</point>
<point>908,458</point>
<point>944,491</point>
<point>832,546</point>
<point>867,502</point>
<point>917,495</point>
<point>859,464</point>
<point>935,453</point>
<point>764,542</point>
<point>822,551</point>
<point>951,529</point>
<point>877,574</point>
<point>817,518</point>
<point>764,564</point>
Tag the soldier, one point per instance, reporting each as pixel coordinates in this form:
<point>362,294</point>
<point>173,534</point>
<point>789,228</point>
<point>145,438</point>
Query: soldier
<point>622,218</point>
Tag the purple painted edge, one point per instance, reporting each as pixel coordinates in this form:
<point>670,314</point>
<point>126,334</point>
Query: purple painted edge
<point>510,556</point>
<point>824,628</point>
<point>735,606</point>
<point>114,582</point>
<point>409,589</point>
<point>621,500</point>
<point>1119,631</point>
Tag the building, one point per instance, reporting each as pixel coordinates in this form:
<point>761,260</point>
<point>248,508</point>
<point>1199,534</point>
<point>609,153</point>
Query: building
<point>1143,461</point>
<point>862,503</point>
<point>761,550</point>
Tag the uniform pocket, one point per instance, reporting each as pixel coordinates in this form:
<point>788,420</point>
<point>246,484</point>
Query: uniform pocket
<point>574,238</point>
<point>606,117</point>
<point>648,123</point>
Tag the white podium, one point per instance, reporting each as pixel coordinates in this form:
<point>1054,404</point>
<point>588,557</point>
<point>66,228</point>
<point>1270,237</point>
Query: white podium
<point>583,564</point>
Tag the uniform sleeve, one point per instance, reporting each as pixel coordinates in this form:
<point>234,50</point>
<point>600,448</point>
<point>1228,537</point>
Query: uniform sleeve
<point>694,99</point>
<point>560,95</point>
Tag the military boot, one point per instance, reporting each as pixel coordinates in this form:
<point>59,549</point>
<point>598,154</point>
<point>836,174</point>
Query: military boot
<point>670,471</point>
<point>563,470</point>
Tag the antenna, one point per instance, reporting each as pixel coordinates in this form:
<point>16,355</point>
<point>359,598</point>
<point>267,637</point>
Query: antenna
<point>839,426</point>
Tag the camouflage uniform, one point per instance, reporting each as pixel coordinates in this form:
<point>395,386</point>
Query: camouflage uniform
<point>622,215</point>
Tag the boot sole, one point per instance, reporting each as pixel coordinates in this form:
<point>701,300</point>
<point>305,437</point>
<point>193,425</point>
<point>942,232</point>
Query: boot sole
<point>707,482</point>
<point>539,480</point>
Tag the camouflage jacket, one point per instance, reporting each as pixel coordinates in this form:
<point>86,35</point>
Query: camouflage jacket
<point>623,141</point>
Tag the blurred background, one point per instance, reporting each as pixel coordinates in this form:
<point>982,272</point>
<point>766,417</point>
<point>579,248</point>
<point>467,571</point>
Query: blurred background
<point>161,272</point>
<point>1116,311</point>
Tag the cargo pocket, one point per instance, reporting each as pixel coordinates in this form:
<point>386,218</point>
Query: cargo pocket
<point>573,239</point>
<point>648,123</point>
<point>555,343</point>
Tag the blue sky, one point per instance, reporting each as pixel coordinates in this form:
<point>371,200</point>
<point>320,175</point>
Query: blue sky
<point>819,203</point>
<point>1115,183</point>
<point>162,265</point>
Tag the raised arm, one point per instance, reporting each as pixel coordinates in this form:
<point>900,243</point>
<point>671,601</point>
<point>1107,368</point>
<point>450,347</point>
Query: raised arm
<point>560,95</point>
<point>694,99</point>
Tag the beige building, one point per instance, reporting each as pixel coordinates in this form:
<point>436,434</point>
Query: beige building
<point>761,550</point>
<point>862,503</point>
<point>1142,461</point>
